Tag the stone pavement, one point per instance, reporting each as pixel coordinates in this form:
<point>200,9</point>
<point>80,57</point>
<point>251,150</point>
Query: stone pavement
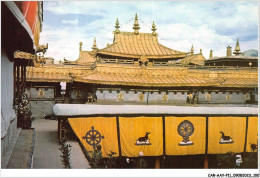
<point>77,157</point>
<point>46,151</point>
<point>21,153</point>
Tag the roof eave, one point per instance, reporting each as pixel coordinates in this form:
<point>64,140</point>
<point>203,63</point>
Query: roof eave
<point>138,56</point>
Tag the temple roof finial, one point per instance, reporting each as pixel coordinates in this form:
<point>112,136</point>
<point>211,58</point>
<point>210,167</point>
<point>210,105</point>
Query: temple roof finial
<point>136,25</point>
<point>117,27</point>
<point>94,47</point>
<point>229,51</point>
<point>80,46</point>
<point>192,50</point>
<point>211,53</point>
<point>154,29</point>
<point>237,49</point>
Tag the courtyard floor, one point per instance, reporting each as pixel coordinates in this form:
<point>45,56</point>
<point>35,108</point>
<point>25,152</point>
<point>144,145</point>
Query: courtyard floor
<point>46,151</point>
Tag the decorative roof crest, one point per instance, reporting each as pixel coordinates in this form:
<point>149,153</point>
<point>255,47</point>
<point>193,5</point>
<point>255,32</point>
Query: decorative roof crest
<point>80,46</point>
<point>154,29</point>
<point>117,27</point>
<point>237,49</point>
<point>192,50</point>
<point>95,45</point>
<point>136,25</point>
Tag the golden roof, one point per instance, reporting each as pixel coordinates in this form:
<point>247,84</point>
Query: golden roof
<point>54,73</point>
<point>127,44</point>
<point>170,76</point>
<point>197,59</point>
<point>167,77</point>
<point>85,57</point>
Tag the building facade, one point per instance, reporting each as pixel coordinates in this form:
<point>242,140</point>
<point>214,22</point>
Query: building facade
<point>20,31</point>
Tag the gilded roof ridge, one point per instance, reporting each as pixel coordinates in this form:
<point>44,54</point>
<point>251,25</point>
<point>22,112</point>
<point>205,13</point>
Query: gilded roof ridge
<point>172,49</point>
<point>133,33</point>
<point>110,45</point>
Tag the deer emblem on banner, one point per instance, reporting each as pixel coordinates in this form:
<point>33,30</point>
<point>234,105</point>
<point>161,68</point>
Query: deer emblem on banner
<point>143,140</point>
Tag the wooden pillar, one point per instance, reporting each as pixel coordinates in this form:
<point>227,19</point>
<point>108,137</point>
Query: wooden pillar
<point>58,128</point>
<point>206,162</point>
<point>157,162</point>
<point>22,75</point>
<point>18,80</point>
<point>14,84</point>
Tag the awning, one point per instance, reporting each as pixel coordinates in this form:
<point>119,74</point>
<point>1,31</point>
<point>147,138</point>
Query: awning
<point>94,109</point>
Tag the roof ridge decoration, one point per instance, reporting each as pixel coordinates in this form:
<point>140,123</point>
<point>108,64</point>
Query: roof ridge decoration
<point>154,29</point>
<point>237,49</point>
<point>171,49</point>
<point>192,50</point>
<point>136,25</point>
<point>211,54</point>
<point>117,27</point>
<point>229,51</point>
<point>80,46</point>
<point>95,45</point>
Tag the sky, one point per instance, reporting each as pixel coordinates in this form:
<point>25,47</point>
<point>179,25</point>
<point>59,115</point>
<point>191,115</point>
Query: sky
<point>180,24</point>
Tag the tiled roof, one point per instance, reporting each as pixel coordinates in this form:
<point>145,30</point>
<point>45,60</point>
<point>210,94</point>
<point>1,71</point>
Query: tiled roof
<point>197,59</point>
<point>248,82</point>
<point>143,76</point>
<point>54,73</point>
<point>85,57</point>
<point>159,81</point>
<point>127,44</point>
<point>168,77</point>
<point>233,58</point>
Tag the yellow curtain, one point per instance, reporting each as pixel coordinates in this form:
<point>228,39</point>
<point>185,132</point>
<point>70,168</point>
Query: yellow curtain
<point>252,133</point>
<point>172,138</point>
<point>132,128</point>
<point>233,127</point>
<point>106,126</point>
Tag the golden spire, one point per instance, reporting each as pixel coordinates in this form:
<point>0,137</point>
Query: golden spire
<point>229,51</point>
<point>136,25</point>
<point>200,51</point>
<point>94,45</point>
<point>237,49</point>
<point>117,27</point>
<point>154,29</point>
<point>80,46</point>
<point>211,54</point>
<point>192,50</point>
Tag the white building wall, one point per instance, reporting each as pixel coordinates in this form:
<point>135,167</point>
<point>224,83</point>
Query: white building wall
<point>8,115</point>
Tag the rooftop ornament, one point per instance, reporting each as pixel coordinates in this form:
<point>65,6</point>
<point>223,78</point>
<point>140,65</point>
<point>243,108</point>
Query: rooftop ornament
<point>154,29</point>
<point>211,54</point>
<point>229,51</point>
<point>191,50</point>
<point>80,46</point>
<point>94,46</point>
<point>237,49</point>
<point>117,27</point>
<point>136,25</point>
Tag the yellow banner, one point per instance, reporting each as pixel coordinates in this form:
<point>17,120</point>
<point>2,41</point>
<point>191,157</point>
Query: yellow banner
<point>141,134</point>
<point>226,134</point>
<point>252,134</point>
<point>96,130</point>
<point>176,128</point>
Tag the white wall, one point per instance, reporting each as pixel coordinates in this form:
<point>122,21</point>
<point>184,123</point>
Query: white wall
<point>8,116</point>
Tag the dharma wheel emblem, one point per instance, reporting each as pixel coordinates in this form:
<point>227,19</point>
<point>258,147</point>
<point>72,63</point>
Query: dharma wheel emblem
<point>185,129</point>
<point>93,137</point>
